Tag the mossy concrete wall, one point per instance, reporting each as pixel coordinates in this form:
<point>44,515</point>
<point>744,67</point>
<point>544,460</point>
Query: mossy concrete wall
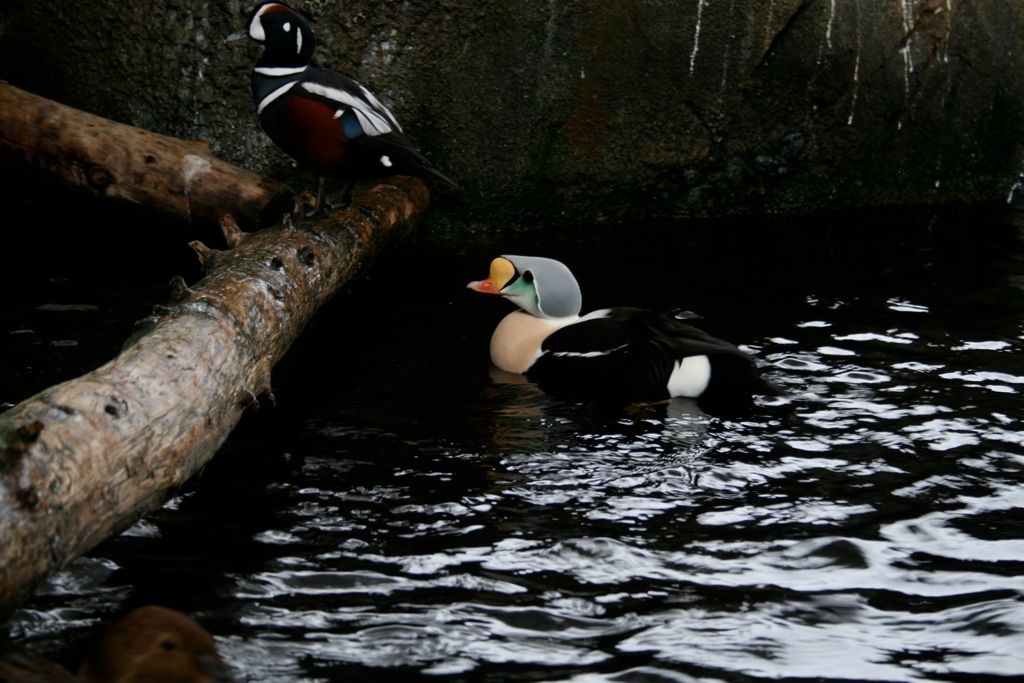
<point>570,112</point>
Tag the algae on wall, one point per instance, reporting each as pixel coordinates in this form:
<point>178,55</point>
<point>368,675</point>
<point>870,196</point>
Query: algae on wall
<point>570,112</point>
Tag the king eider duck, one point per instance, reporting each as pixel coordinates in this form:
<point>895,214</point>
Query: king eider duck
<point>324,120</point>
<point>621,353</point>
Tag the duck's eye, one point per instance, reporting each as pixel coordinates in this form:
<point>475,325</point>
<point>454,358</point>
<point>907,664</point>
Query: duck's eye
<point>168,644</point>
<point>528,276</point>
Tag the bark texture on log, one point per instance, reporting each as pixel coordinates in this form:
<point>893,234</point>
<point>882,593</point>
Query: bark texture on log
<point>178,177</point>
<point>84,459</point>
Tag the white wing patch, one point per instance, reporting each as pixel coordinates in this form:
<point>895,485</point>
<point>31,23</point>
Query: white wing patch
<point>588,354</point>
<point>372,99</point>
<point>273,96</point>
<point>373,122</point>
<point>595,315</point>
<point>690,377</point>
<point>385,161</point>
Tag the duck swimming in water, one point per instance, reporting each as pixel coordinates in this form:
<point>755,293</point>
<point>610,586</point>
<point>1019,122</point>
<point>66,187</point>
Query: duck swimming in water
<point>620,353</point>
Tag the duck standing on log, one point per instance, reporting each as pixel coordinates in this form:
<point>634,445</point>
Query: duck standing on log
<point>324,120</point>
<point>619,353</point>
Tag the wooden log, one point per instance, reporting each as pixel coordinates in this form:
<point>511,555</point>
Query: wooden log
<point>84,459</point>
<point>177,177</point>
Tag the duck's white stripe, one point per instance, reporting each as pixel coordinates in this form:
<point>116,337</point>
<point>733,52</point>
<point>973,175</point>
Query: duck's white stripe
<point>372,99</point>
<point>279,70</point>
<point>298,40</point>
<point>373,123</point>
<point>587,354</point>
<point>690,377</point>
<point>599,313</point>
<point>273,96</point>
<point>256,31</point>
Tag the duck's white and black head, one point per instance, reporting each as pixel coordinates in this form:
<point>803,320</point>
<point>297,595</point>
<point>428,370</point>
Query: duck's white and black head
<point>286,36</point>
<point>324,120</point>
<point>625,353</point>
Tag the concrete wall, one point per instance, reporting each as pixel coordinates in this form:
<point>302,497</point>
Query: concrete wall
<point>570,112</point>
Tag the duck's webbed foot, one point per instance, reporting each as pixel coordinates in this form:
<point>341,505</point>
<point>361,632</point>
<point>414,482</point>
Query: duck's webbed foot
<point>345,201</point>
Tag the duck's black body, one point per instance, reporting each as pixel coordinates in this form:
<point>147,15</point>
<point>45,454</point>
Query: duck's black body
<point>324,120</point>
<point>631,354</point>
<point>621,353</point>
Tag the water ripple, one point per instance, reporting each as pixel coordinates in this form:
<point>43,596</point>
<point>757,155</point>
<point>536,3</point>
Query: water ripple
<point>421,518</point>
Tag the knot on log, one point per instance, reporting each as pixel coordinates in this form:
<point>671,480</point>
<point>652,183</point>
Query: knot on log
<point>116,407</point>
<point>17,442</point>
<point>29,433</point>
<point>307,256</point>
<point>98,177</point>
<point>28,498</point>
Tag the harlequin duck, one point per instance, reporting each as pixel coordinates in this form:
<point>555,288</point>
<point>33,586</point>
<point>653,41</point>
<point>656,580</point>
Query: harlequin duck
<point>621,353</point>
<point>327,122</point>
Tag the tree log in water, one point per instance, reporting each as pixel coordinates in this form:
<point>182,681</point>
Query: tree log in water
<point>84,459</point>
<point>120,162</point>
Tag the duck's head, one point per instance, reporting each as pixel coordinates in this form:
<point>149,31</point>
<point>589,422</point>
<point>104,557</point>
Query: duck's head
<point>155,644</point>
<point>542,287</point>
<point>285,34</point>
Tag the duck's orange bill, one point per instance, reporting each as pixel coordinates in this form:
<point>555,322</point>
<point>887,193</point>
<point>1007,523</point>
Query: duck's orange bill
<point>486,286</point>
<point>502,272</point>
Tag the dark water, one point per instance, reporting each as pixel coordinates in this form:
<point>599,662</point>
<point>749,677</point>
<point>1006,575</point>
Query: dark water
<point>401,514</point>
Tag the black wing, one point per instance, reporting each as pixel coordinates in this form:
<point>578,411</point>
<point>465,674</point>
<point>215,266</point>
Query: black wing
<point>631,353</point>
<point>375,137</point>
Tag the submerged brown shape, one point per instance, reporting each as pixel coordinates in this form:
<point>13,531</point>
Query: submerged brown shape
<point>154,644</point>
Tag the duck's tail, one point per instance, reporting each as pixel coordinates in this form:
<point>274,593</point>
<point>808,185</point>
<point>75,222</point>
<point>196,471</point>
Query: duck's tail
<point>431,172</point>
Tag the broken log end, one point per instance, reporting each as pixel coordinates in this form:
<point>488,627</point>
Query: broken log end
<point>180,291</point>
<point>207,256</point>
<point>233,234</point>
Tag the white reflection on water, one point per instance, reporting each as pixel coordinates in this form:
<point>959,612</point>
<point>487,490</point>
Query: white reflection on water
<point>838,636</point>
